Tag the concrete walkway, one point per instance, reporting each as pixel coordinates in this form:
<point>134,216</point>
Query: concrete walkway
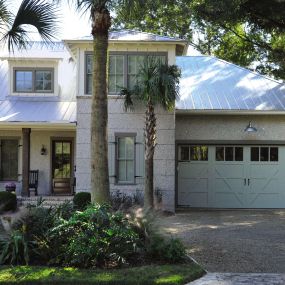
<point>240,279</point>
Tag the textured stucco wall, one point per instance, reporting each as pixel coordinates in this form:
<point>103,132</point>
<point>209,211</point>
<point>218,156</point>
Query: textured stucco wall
<point>230,127</point>
<point>131,122</point>
<point>37,161</point>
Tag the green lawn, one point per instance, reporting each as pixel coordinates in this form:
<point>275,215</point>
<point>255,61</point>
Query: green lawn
<point>144,275</point>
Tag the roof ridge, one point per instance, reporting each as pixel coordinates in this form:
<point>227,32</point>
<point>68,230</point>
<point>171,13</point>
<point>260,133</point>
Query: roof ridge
<point>148,33</point>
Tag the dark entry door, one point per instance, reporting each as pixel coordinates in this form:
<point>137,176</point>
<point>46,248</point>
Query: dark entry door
<point>61,166</point>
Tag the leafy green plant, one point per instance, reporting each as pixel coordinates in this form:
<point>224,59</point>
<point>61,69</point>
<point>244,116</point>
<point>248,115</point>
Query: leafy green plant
<point>15,247</point>
<point>81,200</point>
<point>94,237</point>
<point>8,201</point>
<point>166,250</point>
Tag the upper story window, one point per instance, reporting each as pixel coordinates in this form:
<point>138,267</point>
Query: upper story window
<point>123,69</point>
<point>33,80</point>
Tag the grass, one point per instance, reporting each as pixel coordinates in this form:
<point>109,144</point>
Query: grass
<point>144,275</point>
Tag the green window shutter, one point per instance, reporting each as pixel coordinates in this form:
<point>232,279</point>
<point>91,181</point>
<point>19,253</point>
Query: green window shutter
<point>112,158</point>
<point>139,148</point>
<point>9,159</point>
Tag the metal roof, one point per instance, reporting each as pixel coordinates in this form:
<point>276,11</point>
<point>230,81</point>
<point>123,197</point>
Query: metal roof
<point>41,112</point>
<point>40,108</point>
<point>131,35</point>
<point>208,83</point>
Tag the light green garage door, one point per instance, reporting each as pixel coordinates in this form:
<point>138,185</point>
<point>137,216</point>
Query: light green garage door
<point>226,176</point>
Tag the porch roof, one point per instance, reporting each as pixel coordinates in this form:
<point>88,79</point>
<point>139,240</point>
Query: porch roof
<point>12,111</point>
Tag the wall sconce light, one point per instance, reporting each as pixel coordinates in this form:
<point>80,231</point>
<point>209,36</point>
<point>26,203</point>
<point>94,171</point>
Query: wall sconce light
<point>250,128</point>
<point>43,150</point>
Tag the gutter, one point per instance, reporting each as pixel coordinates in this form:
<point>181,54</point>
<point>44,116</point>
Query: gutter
<point>38,125</point>
<point>229,112</point>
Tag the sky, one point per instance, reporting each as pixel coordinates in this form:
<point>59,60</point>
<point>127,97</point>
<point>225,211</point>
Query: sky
<point>71,23</point>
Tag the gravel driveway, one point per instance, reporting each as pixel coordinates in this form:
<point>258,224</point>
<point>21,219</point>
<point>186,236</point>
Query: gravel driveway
<point>232,241</point>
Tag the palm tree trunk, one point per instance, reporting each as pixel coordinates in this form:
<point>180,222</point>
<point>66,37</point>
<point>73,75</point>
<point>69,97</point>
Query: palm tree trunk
<point>150,142</point>
<point>100,191</point>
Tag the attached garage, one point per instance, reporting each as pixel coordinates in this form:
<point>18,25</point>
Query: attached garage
<point>231,176</point>
<point>223,161</point>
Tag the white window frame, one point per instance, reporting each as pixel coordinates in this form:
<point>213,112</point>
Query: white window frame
<point>118,137</point>
<point>126,56</point>
<point>33,70</point>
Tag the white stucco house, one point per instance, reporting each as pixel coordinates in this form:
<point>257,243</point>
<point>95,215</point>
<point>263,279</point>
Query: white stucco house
<point>206,156</point>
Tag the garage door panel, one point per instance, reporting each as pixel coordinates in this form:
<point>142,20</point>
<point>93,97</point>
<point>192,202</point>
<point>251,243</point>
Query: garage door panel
<point>228,185</point>
<point>261,171</point>
<point>193,199</point>
<point>263,185</point>
<point>229,170</point>
<point>194,185</point>
<point>266,200</point>
<point>228,200</point>
<point>193,170</point>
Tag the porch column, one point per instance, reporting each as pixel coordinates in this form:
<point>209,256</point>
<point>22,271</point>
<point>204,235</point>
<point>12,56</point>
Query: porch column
<point>26,161</point>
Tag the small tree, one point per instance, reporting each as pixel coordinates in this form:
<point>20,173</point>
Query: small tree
<point>157,84</point>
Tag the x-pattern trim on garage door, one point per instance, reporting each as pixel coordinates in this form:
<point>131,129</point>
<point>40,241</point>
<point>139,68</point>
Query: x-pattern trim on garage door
<point>223,182</point>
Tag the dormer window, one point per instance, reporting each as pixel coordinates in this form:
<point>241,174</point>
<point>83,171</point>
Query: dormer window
<point>33,80</point>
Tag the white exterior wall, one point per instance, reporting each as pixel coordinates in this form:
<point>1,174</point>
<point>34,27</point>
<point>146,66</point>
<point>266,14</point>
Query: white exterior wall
<point>131,122</point>
<point>37,161</point>
<point>229,127</point>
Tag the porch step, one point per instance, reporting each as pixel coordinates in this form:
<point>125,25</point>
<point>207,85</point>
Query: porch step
<point>47,200</point>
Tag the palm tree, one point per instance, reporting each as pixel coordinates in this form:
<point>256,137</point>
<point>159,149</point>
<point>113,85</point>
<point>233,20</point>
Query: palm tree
<point>36,13</point>
<point>157,84</point>
<point>100,25</point>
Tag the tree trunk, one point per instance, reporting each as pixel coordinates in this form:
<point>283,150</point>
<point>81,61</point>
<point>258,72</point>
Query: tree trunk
<point>100,191</point>
<point>150,142</point>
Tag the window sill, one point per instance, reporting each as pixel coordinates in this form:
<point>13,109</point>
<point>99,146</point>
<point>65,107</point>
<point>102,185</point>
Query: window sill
<point>125,184</point>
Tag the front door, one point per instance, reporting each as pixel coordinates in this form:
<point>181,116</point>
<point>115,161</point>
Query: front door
<point>62,167</point>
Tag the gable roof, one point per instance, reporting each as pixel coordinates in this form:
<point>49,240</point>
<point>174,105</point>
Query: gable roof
<point>130,36</point>
<point>209,83</point>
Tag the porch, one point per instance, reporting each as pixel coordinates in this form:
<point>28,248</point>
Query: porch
<point>46,148</point>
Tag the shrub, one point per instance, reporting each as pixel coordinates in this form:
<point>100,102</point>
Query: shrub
<point>166,250</point>
<point>121,201</point>
<point>94,237</point>
<point>15,248</point>
<point>8,201</point>
<point>81,200</point>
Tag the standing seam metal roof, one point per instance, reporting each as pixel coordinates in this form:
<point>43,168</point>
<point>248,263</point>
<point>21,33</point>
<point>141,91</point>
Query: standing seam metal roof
<point>209,83</point>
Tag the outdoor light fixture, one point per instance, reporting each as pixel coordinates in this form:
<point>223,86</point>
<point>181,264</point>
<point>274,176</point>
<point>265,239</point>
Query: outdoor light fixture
<point>250,128</point>
<point>43,150</point>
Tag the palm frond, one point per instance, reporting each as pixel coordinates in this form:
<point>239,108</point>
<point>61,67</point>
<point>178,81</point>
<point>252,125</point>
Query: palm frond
<point>157,83</point>
<point>128,99</point>
<point>4,12</point>
<point>36,13</point>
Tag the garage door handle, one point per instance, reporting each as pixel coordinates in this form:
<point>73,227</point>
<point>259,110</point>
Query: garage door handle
<point>244,181</point>
<point>248,181</point>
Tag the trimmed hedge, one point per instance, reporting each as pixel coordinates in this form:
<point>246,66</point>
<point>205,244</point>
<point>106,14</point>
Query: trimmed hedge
<point>81,200</point>
<point>8,201</point>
